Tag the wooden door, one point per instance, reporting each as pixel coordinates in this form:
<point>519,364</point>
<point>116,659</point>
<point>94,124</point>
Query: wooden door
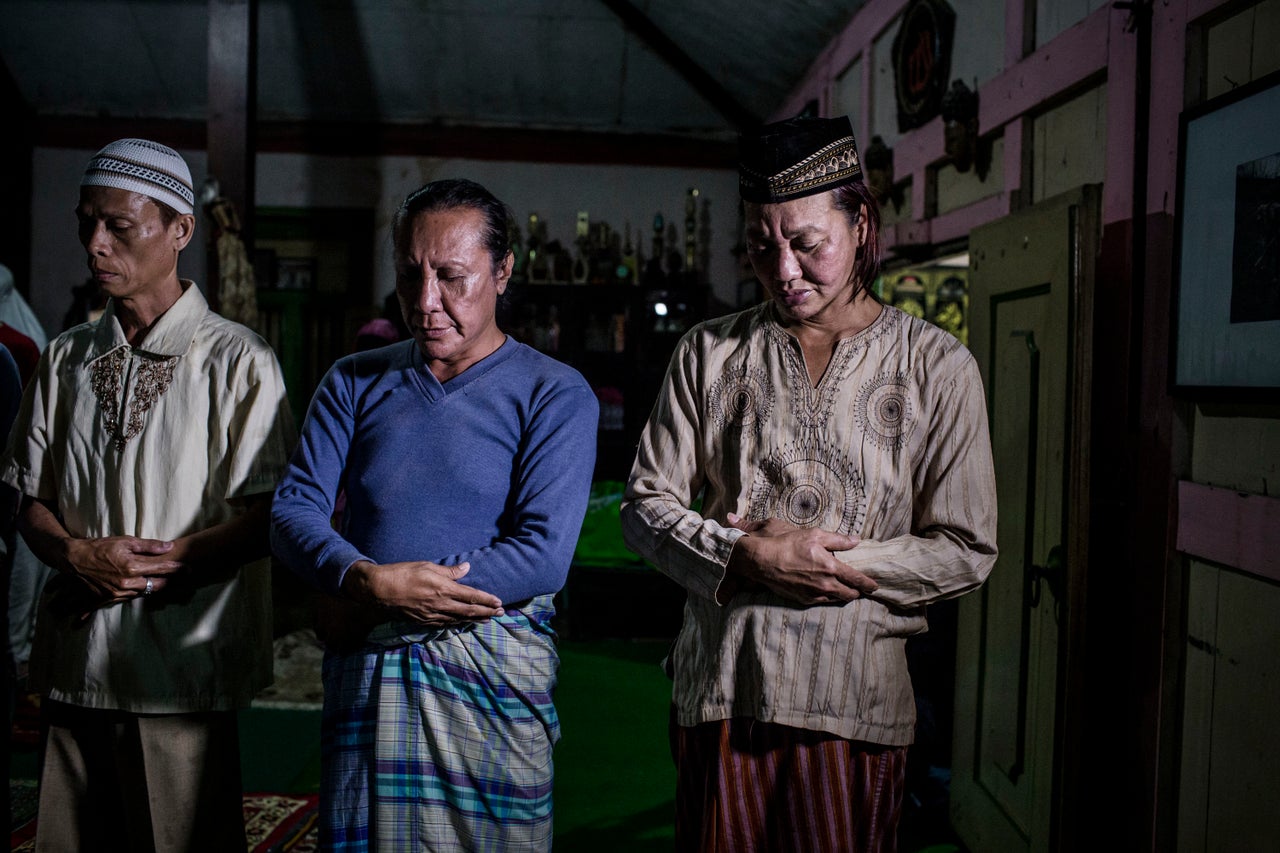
<point>1030,302</point>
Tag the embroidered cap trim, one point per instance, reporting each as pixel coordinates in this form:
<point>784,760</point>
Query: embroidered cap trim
<point>834,164</point>
<point>145,167</point>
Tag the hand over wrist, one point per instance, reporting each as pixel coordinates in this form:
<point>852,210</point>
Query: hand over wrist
<point>357,583</point>
<point>69,552</point>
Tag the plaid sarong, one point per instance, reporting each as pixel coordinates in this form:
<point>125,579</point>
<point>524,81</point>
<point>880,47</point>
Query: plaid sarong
<point>443,744</point>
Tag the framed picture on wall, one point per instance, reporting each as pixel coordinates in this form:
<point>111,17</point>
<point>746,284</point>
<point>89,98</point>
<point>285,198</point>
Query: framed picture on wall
<point>1227,321</point>
<point>296,273</point>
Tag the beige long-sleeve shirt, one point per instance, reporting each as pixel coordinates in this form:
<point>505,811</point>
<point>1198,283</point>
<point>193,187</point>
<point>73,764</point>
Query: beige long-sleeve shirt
<point>891,447</point>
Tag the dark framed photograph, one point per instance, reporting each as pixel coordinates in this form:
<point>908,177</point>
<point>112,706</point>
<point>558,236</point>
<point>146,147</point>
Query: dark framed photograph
<point>296,273</point>
<point>1227,333</point>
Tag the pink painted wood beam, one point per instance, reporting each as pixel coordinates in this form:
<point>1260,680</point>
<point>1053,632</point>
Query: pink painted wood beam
<point>956,224</point>
<point>919,189</point>
<point>1117,185</point>
<point>1015,20</point>
<point>1068,60</point>
<point>913,154</point>
<point>868,93</point>
<point>1076,55</point>
<point>1168,75</point>
<point>1229,527</point>
<point>910,233</point>
<point>870,21</point>
<point>952,225</point>
<point>1013,159</point>
<point>918,150</point>
<point>1094,46</point>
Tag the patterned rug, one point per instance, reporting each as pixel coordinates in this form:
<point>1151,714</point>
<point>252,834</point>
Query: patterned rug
<point>22,808</point>
<point>281,823</point>
<point>274,823</point>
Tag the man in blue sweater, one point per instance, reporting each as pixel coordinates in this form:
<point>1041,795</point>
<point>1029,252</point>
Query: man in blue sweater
<point>466,460</point>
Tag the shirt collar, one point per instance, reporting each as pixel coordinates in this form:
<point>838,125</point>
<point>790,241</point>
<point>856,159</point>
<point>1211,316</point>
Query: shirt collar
<point>172,334</point>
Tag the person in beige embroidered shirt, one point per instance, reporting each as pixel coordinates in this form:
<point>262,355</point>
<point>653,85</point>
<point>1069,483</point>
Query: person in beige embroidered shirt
<point>146,449</point>
<point>841,453</point>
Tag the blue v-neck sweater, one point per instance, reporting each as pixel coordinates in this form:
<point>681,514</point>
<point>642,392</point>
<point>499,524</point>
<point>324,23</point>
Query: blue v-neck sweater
<point>492,467</point>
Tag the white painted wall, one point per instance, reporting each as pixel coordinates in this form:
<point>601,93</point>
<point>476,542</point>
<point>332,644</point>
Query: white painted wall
<point>615,194</point>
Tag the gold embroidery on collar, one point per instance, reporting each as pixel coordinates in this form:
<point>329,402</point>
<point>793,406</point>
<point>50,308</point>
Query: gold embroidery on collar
<point>153,379</point>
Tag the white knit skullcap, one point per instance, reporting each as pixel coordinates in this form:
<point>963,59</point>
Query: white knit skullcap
<point>145,167</point>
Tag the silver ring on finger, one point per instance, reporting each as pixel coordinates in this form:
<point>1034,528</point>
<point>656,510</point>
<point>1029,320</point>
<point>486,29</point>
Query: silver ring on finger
<point>146,590</point>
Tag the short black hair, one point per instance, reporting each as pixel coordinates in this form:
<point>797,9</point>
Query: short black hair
<point>451,193</point>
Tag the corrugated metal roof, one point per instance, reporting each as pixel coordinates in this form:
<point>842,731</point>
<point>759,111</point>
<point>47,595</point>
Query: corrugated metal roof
<point>599,65</point>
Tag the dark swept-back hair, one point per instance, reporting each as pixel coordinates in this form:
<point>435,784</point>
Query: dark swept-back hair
<point>452,193</point>
<point>851,199</point>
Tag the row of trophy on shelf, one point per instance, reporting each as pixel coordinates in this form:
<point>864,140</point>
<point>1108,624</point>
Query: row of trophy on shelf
<point>602,255</point>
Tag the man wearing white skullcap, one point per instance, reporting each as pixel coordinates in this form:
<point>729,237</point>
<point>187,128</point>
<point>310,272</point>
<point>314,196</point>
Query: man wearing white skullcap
<point>146,168</point>
<point>146,450</point>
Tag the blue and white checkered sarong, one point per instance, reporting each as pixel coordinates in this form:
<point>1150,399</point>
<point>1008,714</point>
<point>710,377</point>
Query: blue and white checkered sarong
<point>443,744</point>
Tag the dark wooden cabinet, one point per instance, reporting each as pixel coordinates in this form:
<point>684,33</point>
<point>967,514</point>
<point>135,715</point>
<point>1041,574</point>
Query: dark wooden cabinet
<point>314,290</point>
<point>620,337</point>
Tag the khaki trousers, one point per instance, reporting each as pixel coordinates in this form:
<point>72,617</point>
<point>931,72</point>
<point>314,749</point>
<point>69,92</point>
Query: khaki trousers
<point>143,783</point>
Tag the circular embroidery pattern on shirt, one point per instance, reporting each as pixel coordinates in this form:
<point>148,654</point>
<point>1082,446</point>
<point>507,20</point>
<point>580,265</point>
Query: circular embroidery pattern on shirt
<point>810,485</point>
<point>803,503</point>
<point>741,398</point>
<point>883,411</point>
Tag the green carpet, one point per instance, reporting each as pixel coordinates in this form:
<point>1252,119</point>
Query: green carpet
<point>615,782</point>
<point>614,776</point>
<point>280,751</point>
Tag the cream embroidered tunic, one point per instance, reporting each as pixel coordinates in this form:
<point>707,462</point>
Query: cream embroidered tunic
<point>891,446</point>
<point>155,441</point>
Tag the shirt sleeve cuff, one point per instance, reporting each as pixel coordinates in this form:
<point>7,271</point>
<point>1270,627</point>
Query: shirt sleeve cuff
<point>335,565</point>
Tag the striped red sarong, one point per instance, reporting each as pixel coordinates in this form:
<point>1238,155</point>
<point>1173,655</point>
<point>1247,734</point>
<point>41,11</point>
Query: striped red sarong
<point>743,785</point>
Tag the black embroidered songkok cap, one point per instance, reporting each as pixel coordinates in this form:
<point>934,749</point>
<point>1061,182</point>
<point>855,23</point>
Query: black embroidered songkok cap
<point>796,158</point>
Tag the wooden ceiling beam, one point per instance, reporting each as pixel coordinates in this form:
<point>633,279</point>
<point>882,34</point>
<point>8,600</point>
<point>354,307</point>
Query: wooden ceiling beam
<point>369,139</point>
<point>694,74</point>
<point>495,143</point>
<point>93,132</point>
<point>233,102</point>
